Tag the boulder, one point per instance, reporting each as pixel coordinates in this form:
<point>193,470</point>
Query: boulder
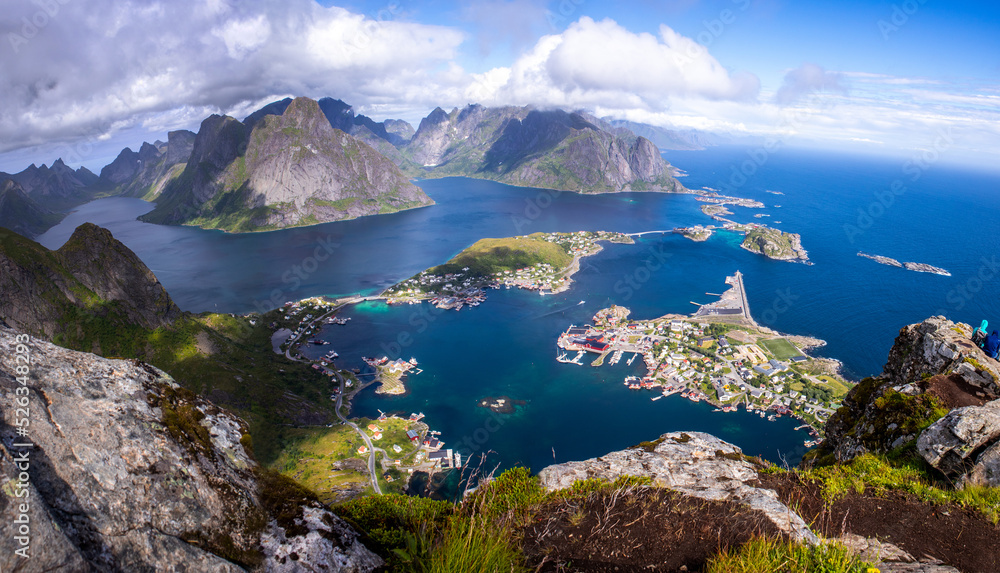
<point>692,463</point>
<point>964,444</point>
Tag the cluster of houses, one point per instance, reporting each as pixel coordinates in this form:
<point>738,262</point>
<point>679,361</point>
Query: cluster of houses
<point>670,351</point>
<point>537,277</point>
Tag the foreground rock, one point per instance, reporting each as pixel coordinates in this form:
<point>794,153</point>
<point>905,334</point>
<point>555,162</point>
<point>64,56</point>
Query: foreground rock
<point>131,473</point>
<point>965,444</point>
<point>933,368</point>
<point>693,463</point>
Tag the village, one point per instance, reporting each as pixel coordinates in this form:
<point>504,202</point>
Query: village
<point>400,446</point>
<point>724,364</point>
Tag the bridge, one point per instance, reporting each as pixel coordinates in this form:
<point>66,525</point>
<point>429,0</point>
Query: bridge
<point>648,233</point>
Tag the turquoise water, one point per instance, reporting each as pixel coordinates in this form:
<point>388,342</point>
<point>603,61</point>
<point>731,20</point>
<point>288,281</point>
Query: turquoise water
<point>945,218</point>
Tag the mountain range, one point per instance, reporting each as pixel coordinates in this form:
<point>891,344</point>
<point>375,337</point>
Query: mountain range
<point>300,162</point>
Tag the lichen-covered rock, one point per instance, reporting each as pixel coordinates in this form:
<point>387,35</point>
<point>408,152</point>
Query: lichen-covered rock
<point>129,472</point>
<point>964,444</point>
<point>932,368</point>
<point>693,463</point>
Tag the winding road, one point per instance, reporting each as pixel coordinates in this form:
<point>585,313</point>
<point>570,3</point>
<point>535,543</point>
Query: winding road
<point>372,450</point>
<point>340,395</point>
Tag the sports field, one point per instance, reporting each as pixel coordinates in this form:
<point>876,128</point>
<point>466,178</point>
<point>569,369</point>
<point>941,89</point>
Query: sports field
<point>780,348</point>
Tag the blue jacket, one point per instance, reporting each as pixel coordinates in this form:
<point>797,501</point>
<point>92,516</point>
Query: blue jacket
<point>992,346</point>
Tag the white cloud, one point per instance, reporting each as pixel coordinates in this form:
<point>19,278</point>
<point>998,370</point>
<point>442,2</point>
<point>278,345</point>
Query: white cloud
<point>808,79</point>
<point>121,72</point>
<point>602,64</point>
<point>244,36</point>
<point>94,65</point>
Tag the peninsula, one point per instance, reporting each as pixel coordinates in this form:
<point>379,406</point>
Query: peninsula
<point>719,355</point>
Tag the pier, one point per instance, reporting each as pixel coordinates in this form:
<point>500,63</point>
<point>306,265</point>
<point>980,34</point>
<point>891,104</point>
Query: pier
<point>733,302</point>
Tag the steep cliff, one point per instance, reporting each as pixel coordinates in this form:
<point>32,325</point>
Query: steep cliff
<point>129,472</point>
<point>527,147</point>
<point>21,214</point>
<point>145,174</point>
<point>289,170</point>
<point>89,293</point>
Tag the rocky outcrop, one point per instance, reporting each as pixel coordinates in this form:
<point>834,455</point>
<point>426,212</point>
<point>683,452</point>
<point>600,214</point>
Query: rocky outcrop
<point>693,463</point>
<point>126,471</point>
<point>291,169</point>
<point>21,214</point>
<point>528,147</point>
<point>91,289</point>
<point>933,367</point>
<point>123,168</point>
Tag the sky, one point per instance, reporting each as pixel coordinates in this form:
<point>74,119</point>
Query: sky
<point>82,80</point>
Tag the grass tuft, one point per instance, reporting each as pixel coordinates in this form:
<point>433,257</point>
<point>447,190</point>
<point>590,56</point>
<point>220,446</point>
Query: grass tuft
<point>765,555</point>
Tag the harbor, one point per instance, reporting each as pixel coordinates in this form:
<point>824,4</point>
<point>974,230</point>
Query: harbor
<point>711,356</point>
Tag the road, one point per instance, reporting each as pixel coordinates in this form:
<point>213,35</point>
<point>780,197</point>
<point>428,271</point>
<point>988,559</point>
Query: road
<point>340,396</point>
<point>372,450</point>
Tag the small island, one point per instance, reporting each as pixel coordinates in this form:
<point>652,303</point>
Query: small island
<point>500,404</point>
<point>697,233</point>
<point>390,373</point>
<point>775,244</point>
<point>915,267</point>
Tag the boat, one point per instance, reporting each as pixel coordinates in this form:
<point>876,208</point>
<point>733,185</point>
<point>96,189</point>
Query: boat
<point>655,398</point>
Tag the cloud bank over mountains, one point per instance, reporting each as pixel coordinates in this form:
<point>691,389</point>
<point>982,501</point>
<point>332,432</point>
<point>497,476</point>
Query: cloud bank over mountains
<point>73,71</point>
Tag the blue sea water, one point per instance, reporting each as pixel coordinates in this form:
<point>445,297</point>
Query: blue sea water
<point>946,218</point>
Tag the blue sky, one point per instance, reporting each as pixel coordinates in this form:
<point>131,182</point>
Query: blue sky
<point>874,77</point>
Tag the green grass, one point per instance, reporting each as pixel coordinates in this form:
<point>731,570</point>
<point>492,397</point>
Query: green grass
<point>838,386</point>
<point>780,348</point>
<point>309,455</point>
<point>878,475</point>
<point>339,204</point>
<point>486,257</point>
<point>765,555</point>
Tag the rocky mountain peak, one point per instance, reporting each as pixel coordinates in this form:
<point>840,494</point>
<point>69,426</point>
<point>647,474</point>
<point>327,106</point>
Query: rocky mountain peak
<point>937,388</point>
<point>180,143</point>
